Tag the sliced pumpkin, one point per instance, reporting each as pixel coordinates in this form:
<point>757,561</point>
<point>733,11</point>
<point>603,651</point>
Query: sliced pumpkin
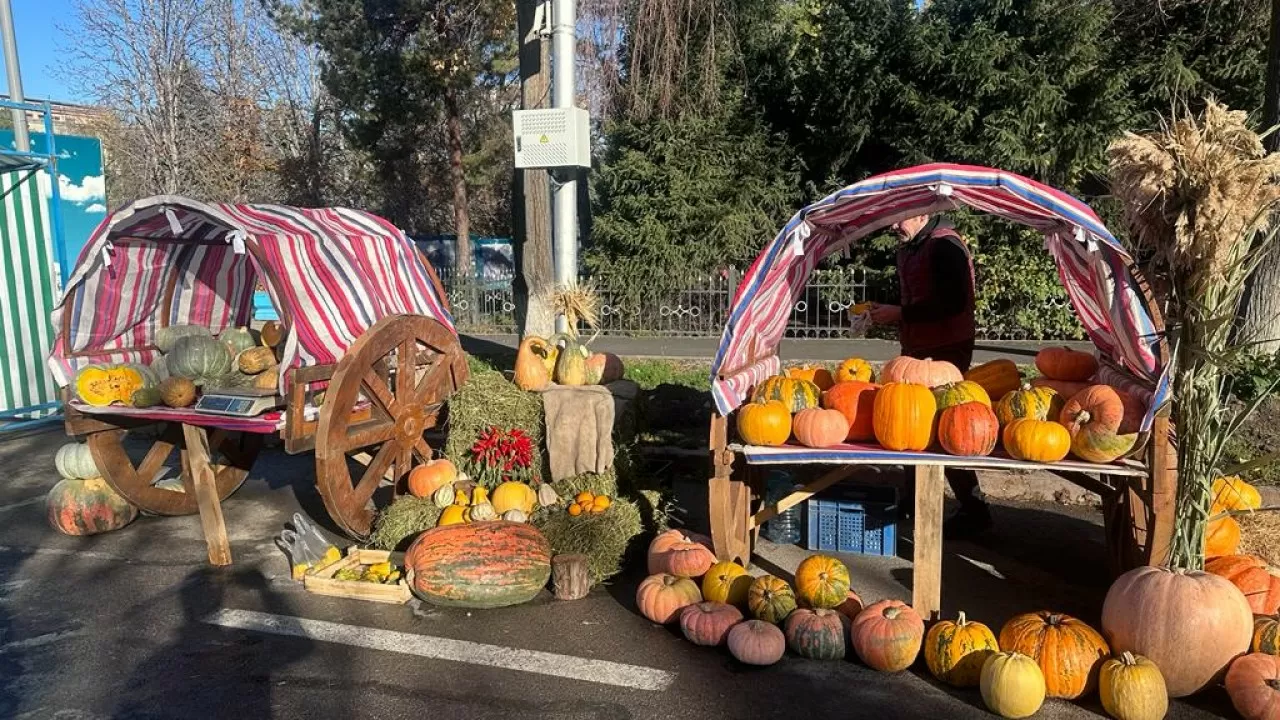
<point>95,386</point>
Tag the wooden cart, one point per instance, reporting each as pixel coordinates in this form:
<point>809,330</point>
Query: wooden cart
<point>365,322</point>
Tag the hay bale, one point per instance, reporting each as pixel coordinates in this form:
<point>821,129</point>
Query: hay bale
<point>402,520</point>
<point>604,538</point>
<point>1260,535</point>
<point>488,399</point>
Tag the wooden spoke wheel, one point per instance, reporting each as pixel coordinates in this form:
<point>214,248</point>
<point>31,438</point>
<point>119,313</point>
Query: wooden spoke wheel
<point>236,451</point>
<point>405,367</point>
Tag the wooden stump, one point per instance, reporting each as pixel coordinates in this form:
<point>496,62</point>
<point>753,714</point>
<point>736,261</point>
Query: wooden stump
<point>571,576</point>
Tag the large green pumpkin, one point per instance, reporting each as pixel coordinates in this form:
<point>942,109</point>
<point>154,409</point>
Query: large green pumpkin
<point>480,564</point>
<point>74,462</point>
<point>87,507</point>
<point>238,339</point>
<point>199,359</point>
<point>168,337</point>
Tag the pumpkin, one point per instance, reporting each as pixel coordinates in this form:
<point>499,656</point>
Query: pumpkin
<point>453,515</point>
<point>479,565</point>
<point>513,495</point>
<point>1250,574</point>
<point>817,634</point>
<point>1036,440</point>
<point>531,371</point>
<point>515,515</point>
<point>821,582</point>
<point>681,554</point>
<point>1222,537</point>
<point>1266,634</point>
<point>604,368</point>
<point>149,378</point>
<point>444,496</point>
<point>74,461</point>
<point>1063,363</point>
<point>199,359</point>
<point>178,392</point>
<point>159,369</point>
<point>1097,407</point>
<point>167,337</point>
<point>1012,685</point>
<point>770,599</point>
<point>87,507</point>
<point>661,597</point>
<point>965,391</point>
<point>1233,493</point>
<point>851,606</point>
<point>998,377</point>
<point>1190,624</point>
<point>796,395</point>
<point>856,400</point>
<point>255,360</point>
<point>756,642</point>
<point>238,339</point>
<point>854,370</point>
<point>571,362</point>
<point>819,376</point>
<point>483,512</point>
<point>819,428</point>
<point>1028,403</point>
<point>1253,682</point>
<point>427,478</point>
<point>903,416</point>
<point>928,372</point>
<point>764,423</point>
<point>1062,387</point>
<point>955,651</point>
<point>727,582</point>
<point>145,397</point>
<point>1132,688</point>
<point>1069,652</point>
<point>887,635</point>
<point>708,623</point>
<point>272,333</point>
<point>1098,445</point>
<point>968,430</point>
<point>102,385</point>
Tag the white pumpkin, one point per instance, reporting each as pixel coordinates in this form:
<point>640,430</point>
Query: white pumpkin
<point>444,496</point>
<point>515,515</point>
<point>75,462</point>
<point>483,512</point>
<point>547,496</point>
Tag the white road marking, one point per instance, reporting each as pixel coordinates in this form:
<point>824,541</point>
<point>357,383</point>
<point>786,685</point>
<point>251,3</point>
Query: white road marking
<point>991,569</point>
<point>534,661</point>
<point>38,640</point>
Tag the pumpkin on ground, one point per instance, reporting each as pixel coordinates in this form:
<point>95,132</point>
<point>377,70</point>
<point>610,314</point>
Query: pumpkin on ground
<point>856,400</point>
<point>903,416</point>
<point>795,394</point>
<point>1063,363</point>
<point>1097,407</point>
<point>1266,634</point>
<point>819,428</point>
<point>479,565</point>
<point>661,597</point>
<point>1069,652</point>
<point>968,430</point>
<point>816,634</point>
<point>1028,403</point>
<point>1253,682</point>
<point>854,370</point>
<point>756,642</point>
<point>956,651</point>
<point>1012,685</point>
<point>200,359</point>
<point>427,478</point>
<point>998,377</point>
<point>727,582</point>
<point>1233,493</point>
<point>817,375</point>
<point>1251,575</point>
<point>960,393</point>
<point>770,599</point>
<point>851,606</point>
<point>928,372</point>
<point>178,392</point>
<point>531,371</point>
<point>1099,445</point>
<point>1222,537</point>
<point>887,635</point>
<point>604,368</point>
<point>679,553</point>
<point>256,360</point>
<point>74,461</point>
<point>168,337</point>
<point>1190,624</point>
<point>764,423</point>
<point>1132,688</point>
<point>87,507</point>
<point>708,623</point>
<point>821,582</point>
<point>1036,440</point>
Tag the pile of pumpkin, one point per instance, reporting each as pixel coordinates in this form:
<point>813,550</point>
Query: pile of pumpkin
<point>462,501</point>
<point>82,503</point>
<point>923,403</point>
<point>564,360</point>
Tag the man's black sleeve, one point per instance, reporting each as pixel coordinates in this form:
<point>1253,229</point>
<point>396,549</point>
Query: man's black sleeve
<point>952,285</point>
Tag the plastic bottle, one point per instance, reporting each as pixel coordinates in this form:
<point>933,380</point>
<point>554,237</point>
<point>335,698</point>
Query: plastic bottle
<point>783,528</point>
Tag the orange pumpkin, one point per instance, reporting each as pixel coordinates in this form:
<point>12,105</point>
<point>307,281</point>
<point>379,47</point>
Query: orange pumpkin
<point>1036,440</point>
<point>998,377</point>
<point>818,428</point>
<point>1250,574</point>
<point>822,582</point>
<point>817,375</point>
<point>531,369</point>
<point>683,555</point>
<point>766,423</point>
<point>851,606</point>
<point>887,635</point>
<point>708,623</point>
<point>425,479</point>
<point>661,597</point>
<point>1069,652</point>
<point>854,369</point>
<point>1063,363</point>
<point>903,416</point>
<point>1097,407</point>
<point>756,642</point>
<point>1253,682</point>
<point>856,400</point>
<point>1222,537</point>
<point>968,430</point>
<point>928,372</point>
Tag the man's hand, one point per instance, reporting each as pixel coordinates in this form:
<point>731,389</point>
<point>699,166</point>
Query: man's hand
<point>886,314</point>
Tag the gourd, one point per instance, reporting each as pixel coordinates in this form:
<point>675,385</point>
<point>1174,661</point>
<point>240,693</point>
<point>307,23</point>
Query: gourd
<point>661,597</point>
<point>515,516</point>
<point>998,377</point>
<point>1222,537</point>
<point>1132,688</point>
<point>770,599</point>
<point>604,368</point>
<point>887,635</point>
<point>268,379</point>
<point>1253,683</point>
<point>255,360</point>
<point>816,634</point>
<point>764,423</point>
<point>1233,493</point>
<point>1250,574</point>
<point>968,430</point>
<point>1063,363</point>
<point>928,372</point>
<point>547,496</point>
<point>1098,445</point>
<point>1096,407</point>
<point>819,376</point>
<point>796,395</point>
<point>145,397</point>
<point>167,337</point>
<point>821,582</point>
<point>87,507</point>
<point>74,461</point>
<point>453,515</point>
<point>1012,685</point>
<point>199,359</point>
<point>479,565</point>
<point>178,392</point>
<point>727,582</point>
<point>960,393</point>
<point>756,642</point>
<point>513,495</point>
<point>427,478</point>
<point>1189,623</point>
<point>238,339</point>
<point>856,400</point>
<point>272,333</point>
<point>1036,440</point>
<point>102,385</point>
<point>531,372</point>
<point>571,363</point>
<point>708,623</point>
<point>483,512</point>
<point>1029,403</point>
<point>956,651</point>
<point>1069,652</point>
<point>694,553</point>
<point>818,428</point>
<point>903,416</point>
<point>1266,634</point>
<point>444,496</point>
<point>854,370</point>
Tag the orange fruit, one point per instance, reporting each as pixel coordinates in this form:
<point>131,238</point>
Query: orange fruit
<point>584,497</point>
<point>575,509</point>
<point>601,503</point>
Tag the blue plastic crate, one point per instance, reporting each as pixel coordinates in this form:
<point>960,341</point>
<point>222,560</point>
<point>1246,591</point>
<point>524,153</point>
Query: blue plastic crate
<point>853,519</point>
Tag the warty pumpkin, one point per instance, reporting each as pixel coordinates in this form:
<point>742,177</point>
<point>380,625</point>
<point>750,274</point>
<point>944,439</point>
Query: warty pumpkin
<point>998,377</point>
<point>1063,363</point>
<point>928,372</point>
<point>770,599</point>
<point>727,582</point>
<point>1097,407</point>
<point>903,416</point>
<point>821,582</point>
<point>815,374</point>
<point>1069,652</point>
<point>764,423</point>
<point>427,478</point>
<point>887,635</point>
<point>1036,440</point>
<point>661,597</point>
<point>1132,688</point>
<point>955,651</point>
<point>1222,537</point>
<point>708,623</point>
<point>679,553</point>
<point>756,642</point>
<point>819,428</point>
<point>960,393</point>
<point>479,565</point>
<point>968,430</point>
<point>1099,445</point>
<point>856,400</point>
<point>1266,634</point>
<point>1233,493</point>
<point>1252,576</point>
<point>1253,682</point>
<point>817,634</point>
<point>854,369</point>
<point>795,394</point>
<point>1028,403</point>
<point>1012,685</point>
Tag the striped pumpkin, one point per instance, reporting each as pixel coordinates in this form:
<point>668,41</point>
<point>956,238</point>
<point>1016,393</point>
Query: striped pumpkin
<point>87,507</point>
<point>479,565</point>
<point>816,634</point>
<point>1266,634</point>
<point>795,393</point>
<point>1034,403</point>
<point>960,393</point>
<point>998,377</point>
<point>1069,652</point>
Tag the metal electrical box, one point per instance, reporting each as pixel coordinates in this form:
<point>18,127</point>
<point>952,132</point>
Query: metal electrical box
<point>553,138</point>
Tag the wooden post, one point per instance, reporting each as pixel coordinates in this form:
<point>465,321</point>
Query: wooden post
<point>926,578</point>
<point>206,492</point>
<point>571,576</point>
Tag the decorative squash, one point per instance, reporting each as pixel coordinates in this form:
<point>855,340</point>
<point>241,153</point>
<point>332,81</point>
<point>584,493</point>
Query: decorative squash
<point>727,582</point>
<point>145,397</point>
<point>515,515</point>
<point>199,359</point>
<point>1069,652</point>
<point>1066,364</point>
<point>1233,493</point>
<point>1012,685</point>
<point>887,635</point>
<point>681,554</point>
<point>955,651</point>
<point>1028,403</point>
<point>427,478</point>
<point>770,599</point>
<point>965,391</point>
<point>571,362</point>
<point>856,400</point>
<point>74,461</point>
<point>903,416</point>
<point>513,495</point>
<point>1253,682</point>
<point>1036,441</point>
<point>167,337</point>
<point>1251,575</point>
<point>531,372</point>
<point>178,392</point>
<point>819,428</point>
<point>1222,537</point>
<point>1132,688</point>
<point>854,370</point>
<point>764,423</point>
<point>998,377</point>
<point>756,642</point>
<point>483,512</point>
<point>444,496</point>
<point>1097,407</point>
<point>797,395</point>
<point>87,507</point>
<point>817,375</point>
<point>604,368</point>
<point>816,634</point>
<point>453,515</point>
<point>968,430</point>
<point>1190,624</point>
<point>479,565</point>
<point>821,582</point>
<point>268,379</point>
<point>255,360</point>
<point>708,623</point>
<point>272,333</point>
<point>547,496</point>
<point>928,372</point>
<point>1098,445</point>
<point>238,339</point>
<point>1266,634</point>
<point>661,597</point>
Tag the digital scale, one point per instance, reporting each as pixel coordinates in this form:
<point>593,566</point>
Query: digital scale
<point>238,402</point>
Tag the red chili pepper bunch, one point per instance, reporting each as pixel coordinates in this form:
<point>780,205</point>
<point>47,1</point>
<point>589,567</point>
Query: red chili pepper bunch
<point>499,455</point>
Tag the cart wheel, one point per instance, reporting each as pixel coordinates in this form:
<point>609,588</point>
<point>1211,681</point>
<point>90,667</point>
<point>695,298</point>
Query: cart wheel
<point>136,483</point>
<point>405,404</point>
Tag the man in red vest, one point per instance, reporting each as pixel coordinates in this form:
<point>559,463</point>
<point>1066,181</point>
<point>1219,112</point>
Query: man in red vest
<point>936,320</point>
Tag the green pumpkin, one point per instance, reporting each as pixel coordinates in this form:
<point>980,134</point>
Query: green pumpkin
<point>145,397</point>
<point>160,369</point>
<point>168,337</point>
<point>149,378</point>
<point>796,393</point>
<point>816,634</point>
<point>571,363</point>
<point>87,507</point>
<point>74,462</point>
<point>199,359</point>
<point>238,339</point>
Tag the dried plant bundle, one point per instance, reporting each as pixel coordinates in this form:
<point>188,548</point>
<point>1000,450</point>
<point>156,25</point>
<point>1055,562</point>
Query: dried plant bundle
<point>579,303</point>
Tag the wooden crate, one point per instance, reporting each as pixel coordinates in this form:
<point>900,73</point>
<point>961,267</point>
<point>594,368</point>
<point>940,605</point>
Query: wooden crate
<point>321,581</point>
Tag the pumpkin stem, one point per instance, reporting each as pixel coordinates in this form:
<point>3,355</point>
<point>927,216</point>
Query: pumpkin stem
<point>1274,683</point>
<point>1127,658</point>
<point>891,613</point>
<point>960,619</point>
<point>1053,619</point>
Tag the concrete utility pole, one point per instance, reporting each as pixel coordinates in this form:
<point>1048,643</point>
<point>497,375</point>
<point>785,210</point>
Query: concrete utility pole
<point>564,50</point>
<point>20,137</point>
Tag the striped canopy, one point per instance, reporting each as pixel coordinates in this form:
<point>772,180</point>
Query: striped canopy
<point>331,274</point>
<point>1101,281</point>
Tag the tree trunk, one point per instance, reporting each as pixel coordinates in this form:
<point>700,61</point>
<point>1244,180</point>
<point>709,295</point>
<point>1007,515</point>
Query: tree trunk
<point>531,211</point>
<point>461,218</point>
